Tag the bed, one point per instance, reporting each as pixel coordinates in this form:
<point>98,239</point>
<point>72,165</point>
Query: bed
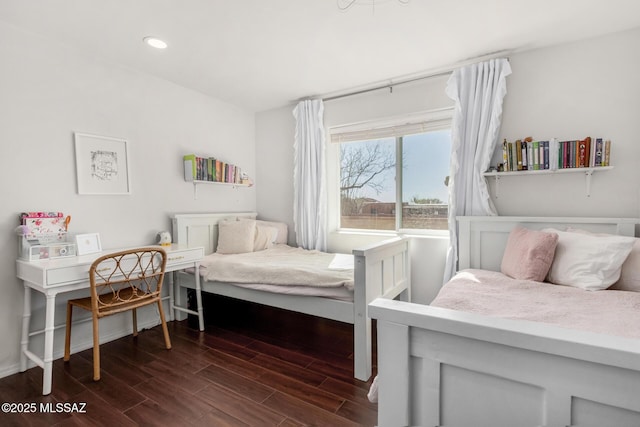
<point>439,366</point>
<point>379,271</point>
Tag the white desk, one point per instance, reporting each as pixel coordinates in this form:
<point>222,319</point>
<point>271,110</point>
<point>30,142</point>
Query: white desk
<point>55,276</point>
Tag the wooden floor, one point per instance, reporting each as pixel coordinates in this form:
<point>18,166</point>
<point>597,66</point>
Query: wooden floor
<point>252,366</point>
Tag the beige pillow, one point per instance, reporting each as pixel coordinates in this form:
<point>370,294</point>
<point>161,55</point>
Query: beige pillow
<point>588,261</point>
<point>265,237</point>
<point>281,227</point>
<point>528,254</point>
<point>282,230</point>
<point>236,237</point>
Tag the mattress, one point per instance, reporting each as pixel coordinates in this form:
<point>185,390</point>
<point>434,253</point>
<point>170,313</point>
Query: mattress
<point>284,269</point>
<point>492,293</point>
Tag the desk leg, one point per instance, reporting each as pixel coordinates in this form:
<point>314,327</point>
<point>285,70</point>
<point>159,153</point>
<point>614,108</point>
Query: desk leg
<point>199,298</point>
<point>26,318</point>
<point>48,344</point>
<point>172,311</point>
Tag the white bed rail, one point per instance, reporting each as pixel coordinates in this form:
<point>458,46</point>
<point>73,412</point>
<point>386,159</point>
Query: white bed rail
<point>441,367</point>
<point>381,270</point>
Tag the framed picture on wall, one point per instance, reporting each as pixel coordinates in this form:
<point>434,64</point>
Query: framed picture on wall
<point>102,164</point>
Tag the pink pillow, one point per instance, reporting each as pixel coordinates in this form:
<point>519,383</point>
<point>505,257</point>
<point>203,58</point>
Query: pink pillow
<point>529,254</point>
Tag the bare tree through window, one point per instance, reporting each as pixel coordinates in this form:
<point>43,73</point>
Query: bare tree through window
<point>368,195</point>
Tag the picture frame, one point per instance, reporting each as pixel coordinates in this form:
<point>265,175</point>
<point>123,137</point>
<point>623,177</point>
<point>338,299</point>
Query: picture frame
<point>88,243</point>
<point>102,164</point>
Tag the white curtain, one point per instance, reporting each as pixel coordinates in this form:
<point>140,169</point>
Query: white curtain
<point>478,91</point>
<point>309,205</point>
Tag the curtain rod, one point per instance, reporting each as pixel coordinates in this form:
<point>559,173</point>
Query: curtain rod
<point>428,75</point>
<point>389,85</point>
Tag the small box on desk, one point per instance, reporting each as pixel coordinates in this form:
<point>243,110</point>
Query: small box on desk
<point>51,251</point>
<point>39,227</point>
<point>45,246</point>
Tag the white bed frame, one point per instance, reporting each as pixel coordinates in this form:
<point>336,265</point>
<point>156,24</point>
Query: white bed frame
<point>440,367</point>
<point>381,271</point>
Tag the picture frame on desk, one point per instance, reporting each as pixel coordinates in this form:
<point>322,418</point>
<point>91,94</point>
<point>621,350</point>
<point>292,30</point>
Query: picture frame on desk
<point>102,164</point>
<point>88,243</point>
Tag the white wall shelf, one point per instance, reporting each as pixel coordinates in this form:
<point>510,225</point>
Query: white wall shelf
<point>588,172</point>
<point>228,184</point>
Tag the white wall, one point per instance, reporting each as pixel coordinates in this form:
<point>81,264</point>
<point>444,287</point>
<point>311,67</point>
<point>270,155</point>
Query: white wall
<point>48,91</point>
<point>275,132</point>
<point>588,88</point>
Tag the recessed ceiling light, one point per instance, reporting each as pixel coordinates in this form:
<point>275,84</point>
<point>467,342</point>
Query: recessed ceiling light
<point>155,42</point>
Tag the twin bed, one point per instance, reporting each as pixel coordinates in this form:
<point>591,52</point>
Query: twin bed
<point>249,260</point>
<point>492,350</point>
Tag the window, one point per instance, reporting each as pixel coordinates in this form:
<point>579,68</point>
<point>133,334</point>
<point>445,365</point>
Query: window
<point>393,177</point>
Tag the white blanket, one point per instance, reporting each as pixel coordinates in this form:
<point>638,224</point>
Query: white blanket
<point>280,265</point>
<point>493,294</point>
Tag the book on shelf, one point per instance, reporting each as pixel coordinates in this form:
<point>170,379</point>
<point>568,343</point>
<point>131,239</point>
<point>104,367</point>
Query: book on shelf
<point>599,149</point>
<point>190,167</point>
<point>606,159</point>
<point>584,150</point>
<point>553,154</point>
<point>211,169</point>
<point>536,155</point>
<point>545,155</point>
<point>505,156</point>
<point>518,146</point>
<point>218,170</point>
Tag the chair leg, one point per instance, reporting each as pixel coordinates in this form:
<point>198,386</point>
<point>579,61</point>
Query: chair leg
<point>167,340</point>
<point>134,315</point>
<point>67,335</point>
<point>96,349</point>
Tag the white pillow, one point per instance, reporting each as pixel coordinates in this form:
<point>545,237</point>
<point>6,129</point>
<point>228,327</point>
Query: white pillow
<point>265,237</point>
<point>236,237</point>
<point>630,272</point>
<point>587,261</point>
<point>282,234</point>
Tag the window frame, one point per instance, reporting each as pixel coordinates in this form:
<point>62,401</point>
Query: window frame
<point>429,121</point>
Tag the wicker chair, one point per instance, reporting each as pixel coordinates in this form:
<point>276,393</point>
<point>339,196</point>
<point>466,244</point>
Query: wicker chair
<point>121,281</point>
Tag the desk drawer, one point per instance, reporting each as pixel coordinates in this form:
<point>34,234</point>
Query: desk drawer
<point>80,273</point>
<point>61,276</point>
<point>184,256</point>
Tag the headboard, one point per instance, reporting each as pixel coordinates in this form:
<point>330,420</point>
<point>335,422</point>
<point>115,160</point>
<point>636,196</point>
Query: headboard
<point>202,229</point>
<point>482,239</point>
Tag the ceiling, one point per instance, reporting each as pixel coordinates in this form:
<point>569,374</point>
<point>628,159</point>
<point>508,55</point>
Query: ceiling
<point>263,54</point>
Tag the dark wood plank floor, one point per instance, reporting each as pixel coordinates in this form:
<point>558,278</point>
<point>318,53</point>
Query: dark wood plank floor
<point>253,366</point>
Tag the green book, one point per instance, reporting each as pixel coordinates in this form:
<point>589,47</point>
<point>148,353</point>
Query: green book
<point>211,168</point>
<point>190,167</point>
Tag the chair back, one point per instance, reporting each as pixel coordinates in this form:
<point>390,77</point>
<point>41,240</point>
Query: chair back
<point>127,279</point>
